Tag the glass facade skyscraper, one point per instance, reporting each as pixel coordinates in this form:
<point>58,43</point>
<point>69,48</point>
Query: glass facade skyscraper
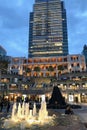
<point>48,29</point>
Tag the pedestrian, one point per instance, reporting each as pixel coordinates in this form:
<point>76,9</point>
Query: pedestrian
<point>69,110</point>
<point>8,106</point>
<point>1,106</point>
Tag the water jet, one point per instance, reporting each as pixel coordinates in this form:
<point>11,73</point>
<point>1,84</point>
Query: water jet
<point>23,117</point>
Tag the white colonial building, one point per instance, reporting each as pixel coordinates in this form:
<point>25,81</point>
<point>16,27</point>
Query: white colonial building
<point>47,66</point>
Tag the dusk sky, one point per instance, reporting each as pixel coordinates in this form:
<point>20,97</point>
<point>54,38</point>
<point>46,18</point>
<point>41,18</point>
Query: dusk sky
<point>14,25</point>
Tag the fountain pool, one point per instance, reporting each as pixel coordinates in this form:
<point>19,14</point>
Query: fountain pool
<point>22,117</point>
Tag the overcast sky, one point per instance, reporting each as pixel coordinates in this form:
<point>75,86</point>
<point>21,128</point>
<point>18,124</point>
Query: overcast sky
<point>14,25</point>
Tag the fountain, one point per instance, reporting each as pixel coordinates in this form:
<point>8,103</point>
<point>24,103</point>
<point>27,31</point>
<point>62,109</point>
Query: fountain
<point>24,117</point>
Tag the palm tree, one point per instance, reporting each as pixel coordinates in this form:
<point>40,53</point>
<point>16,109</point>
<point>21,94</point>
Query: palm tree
<point>27,70</point>
<point>37,69</point>
<point>60,69</point>
<point>3,69</point>
<point>50,68</point>
<point>3,65</point>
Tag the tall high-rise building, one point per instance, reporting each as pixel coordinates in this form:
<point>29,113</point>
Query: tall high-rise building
<point>2,52</point>
<point>48,29</point>
<point>84,52</point>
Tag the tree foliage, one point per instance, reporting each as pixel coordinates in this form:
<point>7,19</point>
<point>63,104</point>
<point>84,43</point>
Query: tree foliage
<point>28,70</point>
<point>60,67</point>
<point>50,68</point>
<point>37,69</point>
<point>3,64</point>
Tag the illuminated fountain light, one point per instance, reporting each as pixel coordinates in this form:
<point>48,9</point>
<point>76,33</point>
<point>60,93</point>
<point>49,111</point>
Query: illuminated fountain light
<point>34,110</point>
<point>43,113</point>
<point>23,110</point>
<point>26,111</point>
<point>26,117</point>
<point>19,112</point>
<point>13,111</point>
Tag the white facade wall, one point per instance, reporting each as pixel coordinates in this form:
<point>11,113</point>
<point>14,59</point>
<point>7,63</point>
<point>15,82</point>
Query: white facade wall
<point>73,62</point>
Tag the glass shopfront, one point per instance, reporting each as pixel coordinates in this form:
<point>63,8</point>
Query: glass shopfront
<point>84,98</point>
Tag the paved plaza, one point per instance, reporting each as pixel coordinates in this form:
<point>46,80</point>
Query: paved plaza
<point>62,122</point>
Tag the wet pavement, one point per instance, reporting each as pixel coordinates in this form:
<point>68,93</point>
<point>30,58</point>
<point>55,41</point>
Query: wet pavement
<point>78,121</point>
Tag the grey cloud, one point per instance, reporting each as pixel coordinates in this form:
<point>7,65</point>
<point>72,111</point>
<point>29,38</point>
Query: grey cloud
<point>12,19</point>
<point>77,24</point>
<point>14,25</point>
<point>13,15</point>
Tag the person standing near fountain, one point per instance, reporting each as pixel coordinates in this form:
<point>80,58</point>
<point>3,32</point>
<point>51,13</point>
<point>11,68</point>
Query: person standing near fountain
<point>69,110</point>
<point>1,106</point>
<point>8,105</point>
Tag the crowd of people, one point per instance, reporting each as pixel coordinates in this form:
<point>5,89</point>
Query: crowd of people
<point>4,105</point>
